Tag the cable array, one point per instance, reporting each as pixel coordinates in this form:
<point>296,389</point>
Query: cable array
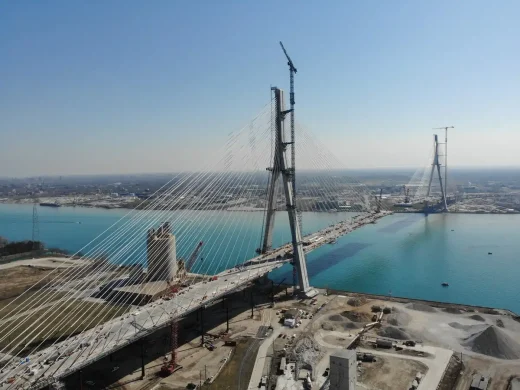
<point>218,205</point>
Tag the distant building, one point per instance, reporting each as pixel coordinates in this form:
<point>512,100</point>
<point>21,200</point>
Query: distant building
<point>161,254</point>
<point>343,374</point>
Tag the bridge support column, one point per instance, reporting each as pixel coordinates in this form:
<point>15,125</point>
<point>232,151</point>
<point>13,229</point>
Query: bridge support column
<point>227,315</point>
<point>142,361</point>
<point>272,293</point>
<point>202,326</point>
<point>252,304</point>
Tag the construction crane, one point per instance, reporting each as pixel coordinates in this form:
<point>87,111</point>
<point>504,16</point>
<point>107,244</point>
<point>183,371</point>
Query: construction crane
<point>406,192</point>
<point>193,257</point>
<point>169,367</point>
<point>379,201</point>
<point>445,128</point>
<point>292,72</point>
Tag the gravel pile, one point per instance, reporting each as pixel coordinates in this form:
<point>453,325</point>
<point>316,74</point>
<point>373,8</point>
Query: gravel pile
<point>453,310</point>
<point>494,342</point>
<point>476,317</point>
<point>392,332</point>
<point>357,317</point>
<point>306,352</point>
<point>420,307</point>
<point>398,319</point>
<point>467,328</point>
<point>351,325</point>
<point>356,302</point>
<point>327,326</point>
<point>336,318</point>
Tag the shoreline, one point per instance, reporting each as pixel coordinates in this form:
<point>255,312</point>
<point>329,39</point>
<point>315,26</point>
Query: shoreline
<point>436,304</point>
<point>247,209</point>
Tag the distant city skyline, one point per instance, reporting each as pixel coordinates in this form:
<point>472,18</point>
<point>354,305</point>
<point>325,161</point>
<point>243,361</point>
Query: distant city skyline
<point>116,88</point>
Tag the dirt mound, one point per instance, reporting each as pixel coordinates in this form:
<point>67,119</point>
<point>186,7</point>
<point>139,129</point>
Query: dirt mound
<point>356,302</point>
<point>357,317</point>
<point>453,310</point>
<point>336,318</point>
<point>476,317</point>
<point>327,326</point>
<point>399,319</point>
<point>351,325</point>
<point>457,325</point>
<point>420,307</point>
<point>493,341</point>
<point>500,323</point>
<point>393,333</point>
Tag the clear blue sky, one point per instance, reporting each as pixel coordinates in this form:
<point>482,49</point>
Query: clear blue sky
<point>135,86</point>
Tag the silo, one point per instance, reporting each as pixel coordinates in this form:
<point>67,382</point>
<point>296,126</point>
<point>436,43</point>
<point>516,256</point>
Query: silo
<point>161,254</point>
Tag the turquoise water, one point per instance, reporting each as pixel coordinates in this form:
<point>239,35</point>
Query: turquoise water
<point>405,255</point>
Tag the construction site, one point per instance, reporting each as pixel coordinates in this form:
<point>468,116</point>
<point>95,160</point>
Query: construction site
<point>247,341</point>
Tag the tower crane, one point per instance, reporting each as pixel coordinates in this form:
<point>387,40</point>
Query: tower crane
<point>169,367</point>
<point>292,72</point>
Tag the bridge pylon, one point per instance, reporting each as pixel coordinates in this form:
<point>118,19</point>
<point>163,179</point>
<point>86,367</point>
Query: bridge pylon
<point>436,164</point>
<point>281,169</point>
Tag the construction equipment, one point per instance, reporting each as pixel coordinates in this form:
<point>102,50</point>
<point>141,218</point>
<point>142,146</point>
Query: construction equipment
<point>169,367</point>
<point>406,192</point>
<point>292,72</point>
<point>193,257</point>
<point>379,201</point>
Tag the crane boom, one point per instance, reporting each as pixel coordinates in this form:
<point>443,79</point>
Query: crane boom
<point>290,63</point>
<point>193,257</point>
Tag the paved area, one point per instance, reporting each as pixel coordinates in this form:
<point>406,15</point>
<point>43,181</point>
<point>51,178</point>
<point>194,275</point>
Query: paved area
<point>436,364</point>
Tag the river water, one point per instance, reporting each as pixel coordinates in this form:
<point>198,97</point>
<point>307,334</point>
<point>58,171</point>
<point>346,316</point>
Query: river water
<point>406,255</point>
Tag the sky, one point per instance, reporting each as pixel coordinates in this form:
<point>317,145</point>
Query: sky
<point>127,86</point>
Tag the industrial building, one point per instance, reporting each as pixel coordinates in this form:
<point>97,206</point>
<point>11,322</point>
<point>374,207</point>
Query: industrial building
<point>161,254</point>
<point>479,382</point>
<point>291,316</point>
<point>343,374</point>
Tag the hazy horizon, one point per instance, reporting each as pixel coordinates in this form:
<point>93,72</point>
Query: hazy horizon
<point>377,170</point>
<point>97,88</point>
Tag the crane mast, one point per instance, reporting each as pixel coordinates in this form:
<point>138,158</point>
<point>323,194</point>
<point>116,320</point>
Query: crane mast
<point>292,72</point>
<point>169,367</point>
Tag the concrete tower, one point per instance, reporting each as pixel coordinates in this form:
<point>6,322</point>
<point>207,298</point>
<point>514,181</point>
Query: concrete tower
<point>281,168</point>
<point>161,254</point>
<point>343,374</point>
<point>436,164</point>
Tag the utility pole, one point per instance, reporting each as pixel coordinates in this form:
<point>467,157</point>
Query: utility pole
<point>445,128</point>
